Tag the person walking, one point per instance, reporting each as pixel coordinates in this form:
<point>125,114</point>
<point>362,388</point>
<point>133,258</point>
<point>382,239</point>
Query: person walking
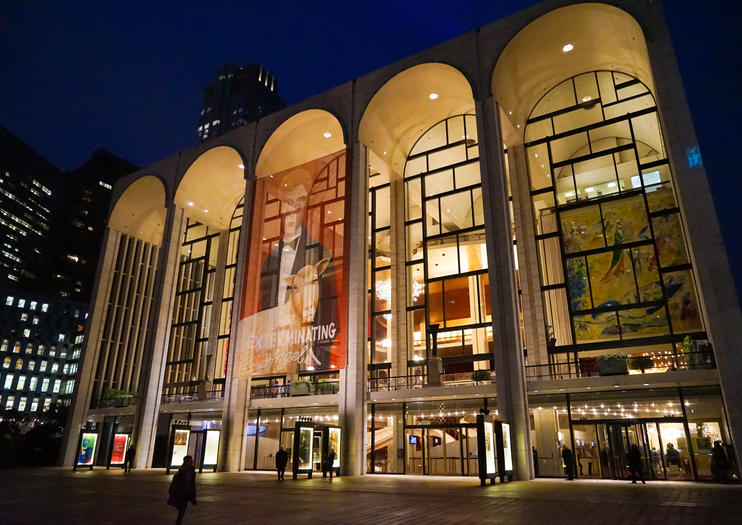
<point>183,488</point>
<point>129,458</point>
<point>282,458</point>
<point>330,461</point>
<point>719,462</point>
<point>636,465</point>
<point>569,462</point>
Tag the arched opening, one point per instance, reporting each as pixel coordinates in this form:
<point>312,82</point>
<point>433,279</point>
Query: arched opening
<point>140,210</point>
<point>210,193</point>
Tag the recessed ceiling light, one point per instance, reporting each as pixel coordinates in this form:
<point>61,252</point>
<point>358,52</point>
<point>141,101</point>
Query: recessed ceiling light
<point>611,184</point>
<point>327,134</point>
<point>190,204</point>
<point>241,166</point>
<point>587,98</point>
<point>567,48</point>
<point>206,211</point>
<point>433,96</point>
<point>590,189</point>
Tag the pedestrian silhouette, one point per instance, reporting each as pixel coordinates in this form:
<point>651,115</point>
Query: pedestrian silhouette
<point>183,488</point>
<point>282,458</point>
<point>330,461</point>
<point>569,462</point>
<point>129,458</point>
<point>636,465</point>
<point>719,462</point>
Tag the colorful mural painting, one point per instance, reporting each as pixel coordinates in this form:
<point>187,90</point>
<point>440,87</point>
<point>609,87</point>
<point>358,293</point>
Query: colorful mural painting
<point>668,236</point>
<point>581,229</point>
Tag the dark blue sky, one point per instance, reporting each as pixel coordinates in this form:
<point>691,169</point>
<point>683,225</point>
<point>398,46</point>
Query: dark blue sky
<point>128,76</point>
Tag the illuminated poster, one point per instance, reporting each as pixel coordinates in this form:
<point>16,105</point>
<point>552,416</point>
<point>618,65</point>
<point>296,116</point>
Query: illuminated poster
<point>293,313</point>
<point>211,450</point>
<point>87,448</point>
<point>489,447</point>
<point>180,447</point>
<point>334,445</point>
<point>118,453</point>
<point>507,451</point>
<point>306,435</point>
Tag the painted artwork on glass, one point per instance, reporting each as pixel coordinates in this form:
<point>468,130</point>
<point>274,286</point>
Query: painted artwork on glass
<point>643,322</point>
<point>647,277</point>
<point>596,327</point>
<point>581,229</point>
<point>625,220</point>
<point>682,301</point>
<point>661,199</point>
<point>577,283</point>
<point>293,314</point>
<point>612,278</point>
<point>668,236</point>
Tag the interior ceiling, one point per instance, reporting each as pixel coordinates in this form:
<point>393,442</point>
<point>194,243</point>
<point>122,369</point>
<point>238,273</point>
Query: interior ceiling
<point>211,188</point>
<point>140,211</point>
<point>401,111</point>
<point>604,38</point>
<point>300,139</point>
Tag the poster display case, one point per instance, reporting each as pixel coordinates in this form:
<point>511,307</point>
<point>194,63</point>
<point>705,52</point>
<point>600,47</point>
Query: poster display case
<point>210,449</point>
<point>504,450</point>
<point>118,449</point>
<point>87,446</point>
<point>179,440</point>
<point>303,449</point>
<point>487,449</point>
<point>331,440</point>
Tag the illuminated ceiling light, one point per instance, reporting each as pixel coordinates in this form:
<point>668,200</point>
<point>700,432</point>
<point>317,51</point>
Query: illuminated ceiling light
<point>241,166</point>
<point>567,48</point>
<point>587,98</point>
<point>611,184</point>
<point>589,189</point>
<point>510,112</point>
<point>433,96</point>
<point>206,211</point>
<point>190,204</point>
<point>327,134</point>
<point>569,194</point>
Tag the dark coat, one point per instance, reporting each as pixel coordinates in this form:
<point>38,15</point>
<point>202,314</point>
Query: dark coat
<point>635,458</point>
<point>282,457</point>
<point>183,487</point>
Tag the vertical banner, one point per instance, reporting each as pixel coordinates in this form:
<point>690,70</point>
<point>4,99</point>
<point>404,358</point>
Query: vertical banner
<point>88,443</point>
<point>118,452</point>
<point>295,296</point>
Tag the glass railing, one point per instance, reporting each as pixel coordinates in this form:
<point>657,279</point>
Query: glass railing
<point>294,389</point>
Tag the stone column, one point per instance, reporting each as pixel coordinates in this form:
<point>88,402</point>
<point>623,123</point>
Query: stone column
<point>399,279</point>
<point>717,294</point>
<point>512,400</point>
<point>156,346</point>
<point>89,355</point>
<point>352,409</point>
<point>237,389</point>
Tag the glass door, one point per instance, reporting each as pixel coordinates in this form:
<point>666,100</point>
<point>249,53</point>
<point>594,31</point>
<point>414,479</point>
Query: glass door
<point>444,452</point>
<point>674,446</point>
<point>415,444</point>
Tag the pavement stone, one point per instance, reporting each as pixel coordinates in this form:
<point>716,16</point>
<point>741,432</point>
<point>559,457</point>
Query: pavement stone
<point>60,496</point>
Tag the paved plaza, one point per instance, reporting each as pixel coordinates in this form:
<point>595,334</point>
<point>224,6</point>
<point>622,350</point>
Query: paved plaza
<point>100,497</point>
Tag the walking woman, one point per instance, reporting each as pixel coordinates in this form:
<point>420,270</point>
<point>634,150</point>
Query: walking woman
<point>183,488</point>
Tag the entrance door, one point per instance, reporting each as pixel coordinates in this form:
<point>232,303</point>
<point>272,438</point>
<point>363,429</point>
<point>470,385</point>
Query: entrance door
<point>616,439</point>
<point>445,451</point>
<point>415,447</point>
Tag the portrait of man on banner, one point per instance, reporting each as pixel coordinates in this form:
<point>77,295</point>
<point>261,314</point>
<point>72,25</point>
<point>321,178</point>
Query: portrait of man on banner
<point>292,316</point>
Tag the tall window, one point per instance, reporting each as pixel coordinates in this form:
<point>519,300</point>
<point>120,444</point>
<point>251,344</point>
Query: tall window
<point>446,255</point>
<point>615,271</point>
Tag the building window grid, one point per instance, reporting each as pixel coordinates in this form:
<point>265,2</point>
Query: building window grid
<point>620,194</point>
<point>376,270</point>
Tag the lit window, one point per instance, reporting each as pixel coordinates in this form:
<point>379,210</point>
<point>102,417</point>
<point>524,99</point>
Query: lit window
<point>47,403</point>
<point>73,368</point>
<point>42,366</point>
<point>6,362</point>
<point>55,367</point>
<point>9,300</point>
<point>35,404</point>
<point>79,339</point>
<point>26,332</point>
<point>45,384</point>
<point>52,352</point>
<point>72,257</point>
<point>8,381</point>
<point>75,354</point>
<point>31,365</point>
<point>22,404</point>
<point>21,303</point>
<point>19,364</point>
<point>29,348</point>
<point>40,351</point>
<point>57,384</point>
<point>4,346</point>
<point>17,347</point>
<point>32,383</point>
<point>35,320</point>
<point>24,316</point>
<point>9,403</point>
<point>66,368</point>
<point>44,307</point>
<point>21,382</point>
<point>69,386</point>
<point>32,306</point>
<point>105,185</point>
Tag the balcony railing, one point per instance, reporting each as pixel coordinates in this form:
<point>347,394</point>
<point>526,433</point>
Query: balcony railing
<point>297,388</point>
<point>386,384</point>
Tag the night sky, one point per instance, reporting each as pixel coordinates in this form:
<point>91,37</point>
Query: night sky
<point>128,76</point>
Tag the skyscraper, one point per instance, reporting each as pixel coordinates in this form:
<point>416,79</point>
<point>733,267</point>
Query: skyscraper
<point>238,95</point>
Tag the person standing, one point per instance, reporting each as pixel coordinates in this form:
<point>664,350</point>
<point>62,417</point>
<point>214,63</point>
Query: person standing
<point>129,458</point>
<point>183,488</point>
<point>330,462</point>
<point>636,465</point>
<point>282,458</point>
<point>719,462</point>
<point>569,462</point>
